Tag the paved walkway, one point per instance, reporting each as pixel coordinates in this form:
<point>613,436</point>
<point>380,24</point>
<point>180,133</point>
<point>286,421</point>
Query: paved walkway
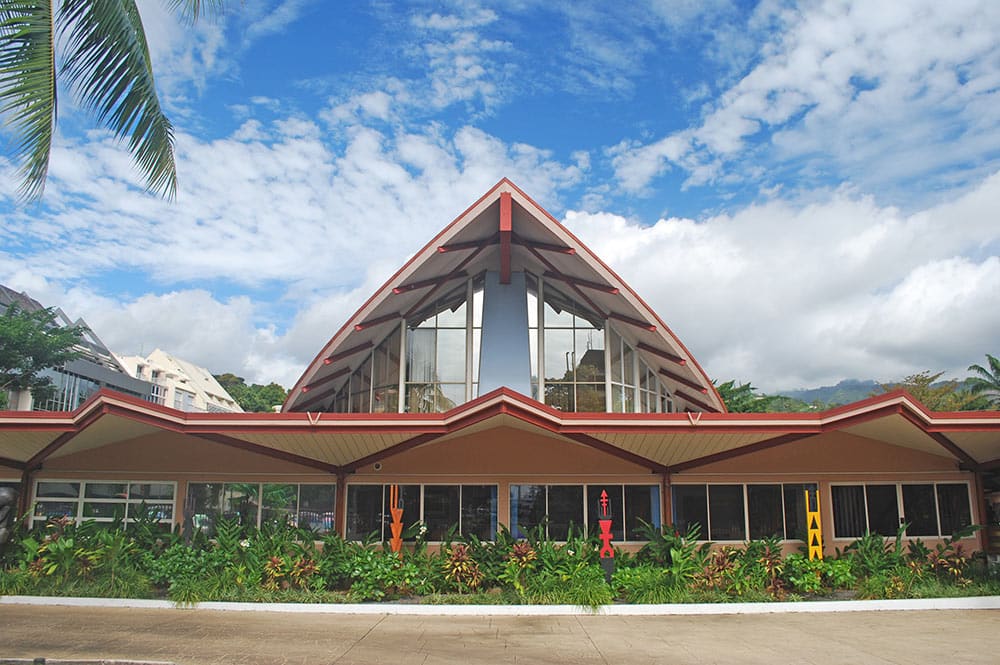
<point>203,636</point>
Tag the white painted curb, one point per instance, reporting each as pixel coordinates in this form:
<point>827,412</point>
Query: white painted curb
<point>968,603</point>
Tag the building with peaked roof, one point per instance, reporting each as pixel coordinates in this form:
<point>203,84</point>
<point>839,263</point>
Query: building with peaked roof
<point>180,384</point>
<point>505,376</point>
<point>95,368</point>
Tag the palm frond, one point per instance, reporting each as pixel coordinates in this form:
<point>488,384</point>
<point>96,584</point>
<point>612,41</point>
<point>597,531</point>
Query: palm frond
<point>107,62</point>
<point>28,87</point>
<point>192,9</point>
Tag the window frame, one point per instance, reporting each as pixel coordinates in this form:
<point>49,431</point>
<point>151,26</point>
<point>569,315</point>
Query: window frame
<point>384,521</point>
<point>82,498</point>
<point>260,494</point>
<point>706,529</point>
<point>900,506</point>
<point>621,520</point>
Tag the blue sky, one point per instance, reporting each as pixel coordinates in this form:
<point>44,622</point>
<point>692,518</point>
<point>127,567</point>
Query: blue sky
<point>805,192</point>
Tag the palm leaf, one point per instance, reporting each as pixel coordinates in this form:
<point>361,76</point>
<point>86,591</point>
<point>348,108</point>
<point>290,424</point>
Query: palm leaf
<point>108,63</point>
<point>28,86</point>
<point>192,9</point>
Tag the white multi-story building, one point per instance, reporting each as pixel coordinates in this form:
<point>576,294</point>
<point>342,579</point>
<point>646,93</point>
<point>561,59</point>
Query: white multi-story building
<point>180,384</point>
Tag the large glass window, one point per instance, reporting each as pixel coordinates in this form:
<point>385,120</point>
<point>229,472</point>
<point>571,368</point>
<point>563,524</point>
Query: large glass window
<point>104,502</point>
<point>308,506</point>
<point>769,510</point>
<point>928,509</point>
<point>470,508</point>
<point>579,507</point>
<point>573,340</point>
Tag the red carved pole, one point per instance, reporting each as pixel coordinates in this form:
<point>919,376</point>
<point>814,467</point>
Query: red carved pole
<point>607,552</point>
<point>396,510</point>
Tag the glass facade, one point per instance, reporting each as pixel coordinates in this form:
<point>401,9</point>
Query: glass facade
<point>309,506</point>
<point>928,509</point>
<point>104,502</point>
<point>556,509</point>
<point>583,363</point>
<point>468,509</point>
<point>739,512</point>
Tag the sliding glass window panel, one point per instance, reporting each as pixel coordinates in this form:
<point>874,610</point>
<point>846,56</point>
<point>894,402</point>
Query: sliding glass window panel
<point>451,355</point>
<point>725,508</point>
<point>441,510</point>
<point>795,510</point>
<point>527,509</point>
<point>479,511</point>
<point>590,398</point>
<point>151,491</point>
<point>615,496</point>
<point>848,511</point>
<point>204,506</point>
<point>280,504</point>
<point>953,506</point>
<point>49,509</point>
<point>920,510</point>
<point>565,510</point>
<point>106,491</point>
<point>409,497</point>
<point>316,508</point>
<point>559,357</point>
<point>883,509</point>
<point>590,356</point>
<point>764,510</point>
<point>364,512</point>
<point>449,395</point>
<point>642,504</point>
<point>690,507</point>
<point>559,396</point>
<point>104,510</point>
<point>58,490</point>
<point>240,501</point>
<point>420,355</point>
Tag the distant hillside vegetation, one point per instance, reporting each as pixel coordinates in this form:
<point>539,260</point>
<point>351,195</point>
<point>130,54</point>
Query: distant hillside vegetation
<point>845,392</point>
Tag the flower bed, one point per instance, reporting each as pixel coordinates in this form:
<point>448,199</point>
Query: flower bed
<point>279,563</point>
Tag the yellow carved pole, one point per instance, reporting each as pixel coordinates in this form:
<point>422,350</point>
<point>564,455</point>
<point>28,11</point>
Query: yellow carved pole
<point>814,528</point>
<point>396,510</point>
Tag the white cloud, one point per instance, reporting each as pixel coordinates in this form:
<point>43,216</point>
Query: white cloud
<point>790,296</point>
<point>880,93</point>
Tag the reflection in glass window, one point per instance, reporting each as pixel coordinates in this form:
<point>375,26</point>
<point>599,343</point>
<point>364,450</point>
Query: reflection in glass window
<point>104,502</point>
<point>938,509</point>
<point>257,504</point>
<point>470,509</point>
<point>578,507</point>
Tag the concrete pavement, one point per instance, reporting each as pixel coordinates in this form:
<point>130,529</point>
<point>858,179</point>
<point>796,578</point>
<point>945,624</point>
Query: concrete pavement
<point>204,636</point>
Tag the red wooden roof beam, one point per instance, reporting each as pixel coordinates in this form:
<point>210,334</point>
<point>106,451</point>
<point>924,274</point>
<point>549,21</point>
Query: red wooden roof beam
<point>347,353</point>
<point>681,380</point>
<point>370,323</point>
<point>645,325</point>
<point>697,402</point>
<point>472,244</point>
<point>576,281</point>
<point>326,379</point>
<point>547,247</point>
<point>642,346</point>
<point>424,283</point>
<point>505,232</point>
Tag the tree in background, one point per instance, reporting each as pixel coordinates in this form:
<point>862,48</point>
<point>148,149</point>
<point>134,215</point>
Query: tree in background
<point>254,398</point>
<point>105,59</point>
<point>936,395</point>
<point>31,342</point>
<point>741,398</point>
<point>986,382</point>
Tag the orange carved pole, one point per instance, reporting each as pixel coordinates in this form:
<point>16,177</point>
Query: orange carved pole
<point>396,510</point>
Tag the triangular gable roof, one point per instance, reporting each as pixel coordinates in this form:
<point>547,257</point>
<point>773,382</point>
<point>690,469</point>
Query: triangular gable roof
<point>475,242</point>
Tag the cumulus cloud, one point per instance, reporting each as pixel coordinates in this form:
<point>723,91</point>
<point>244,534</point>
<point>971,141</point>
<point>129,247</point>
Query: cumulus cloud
<point>791,295</point>
<point>880,94</point>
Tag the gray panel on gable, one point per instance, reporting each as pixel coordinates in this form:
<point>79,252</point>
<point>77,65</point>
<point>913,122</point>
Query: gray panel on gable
<point>505,357</point>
